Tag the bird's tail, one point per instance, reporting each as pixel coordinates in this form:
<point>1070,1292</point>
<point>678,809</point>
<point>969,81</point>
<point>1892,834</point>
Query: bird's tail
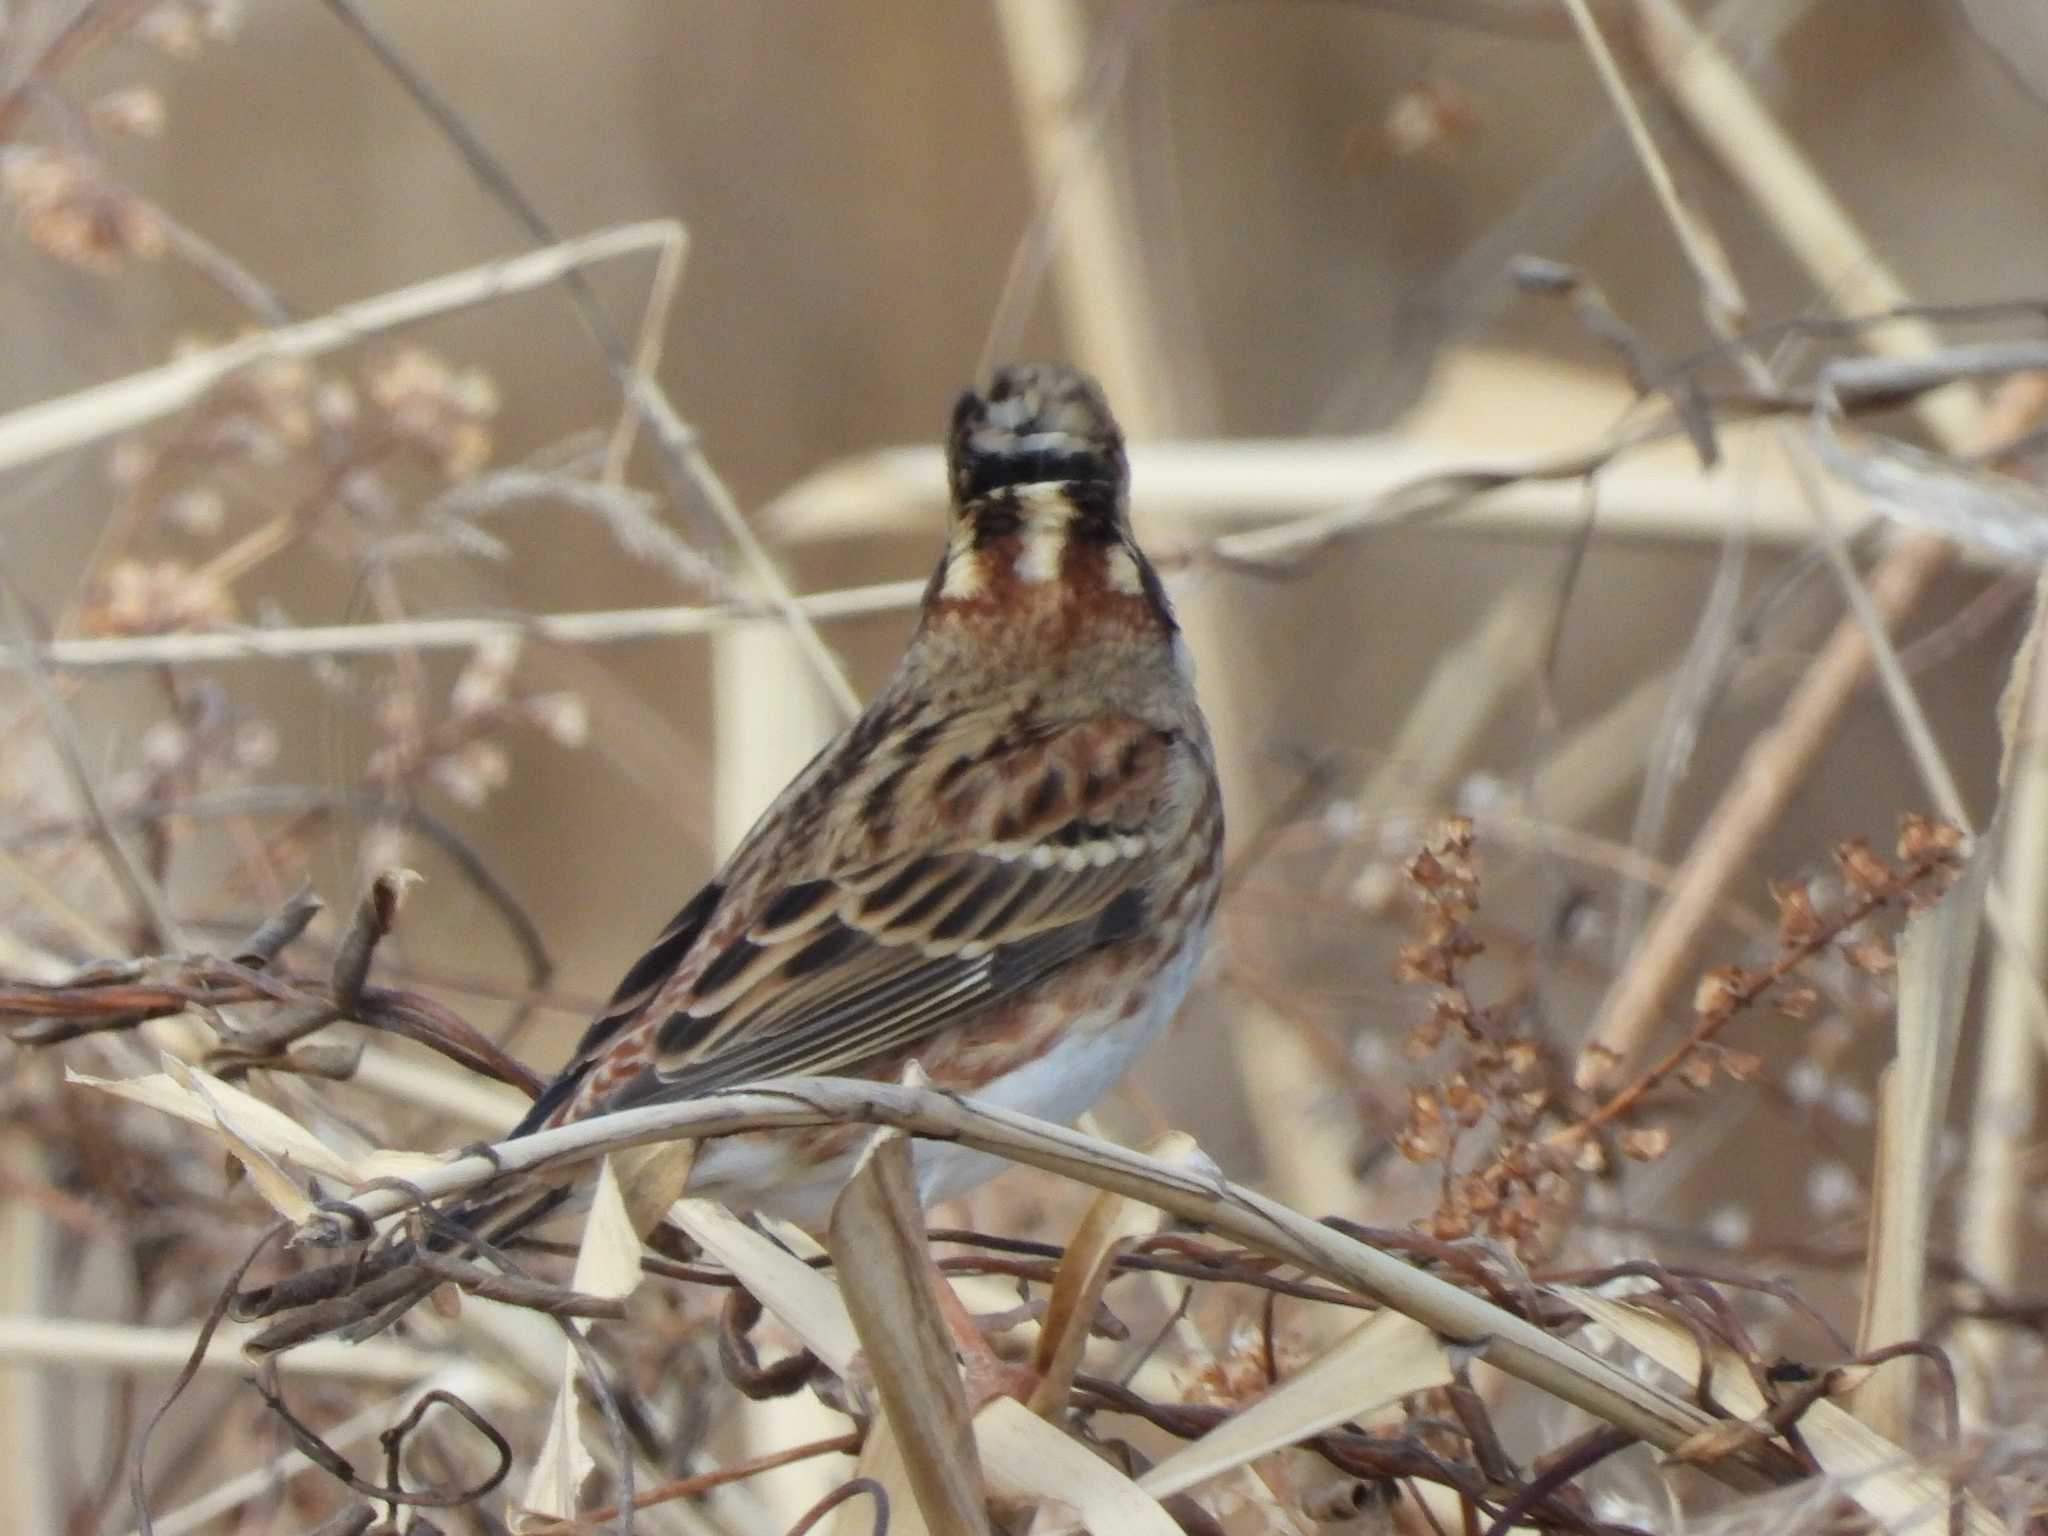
<point>359,1298</point>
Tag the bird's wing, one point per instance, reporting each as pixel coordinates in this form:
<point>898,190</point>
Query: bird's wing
<point>993,858</point>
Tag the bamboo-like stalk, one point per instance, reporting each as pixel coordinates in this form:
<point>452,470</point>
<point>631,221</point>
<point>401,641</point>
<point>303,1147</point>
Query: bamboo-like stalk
<point>77,1345</point>
<point>1199,484</point>
<point>31,1425</point>
<point>1468,685</point>
<point>1991,1217</point>
<point>1103,294</point>
<point>885,1278</point>
<point>1312,487</point>
<point>611,626</point>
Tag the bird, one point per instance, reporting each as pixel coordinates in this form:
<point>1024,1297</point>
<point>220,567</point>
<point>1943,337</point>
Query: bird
<point>1004,870</point>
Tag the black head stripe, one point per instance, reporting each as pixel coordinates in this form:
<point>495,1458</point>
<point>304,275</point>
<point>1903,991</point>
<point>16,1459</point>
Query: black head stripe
<point>1037,423</point>
<point>989,469</point>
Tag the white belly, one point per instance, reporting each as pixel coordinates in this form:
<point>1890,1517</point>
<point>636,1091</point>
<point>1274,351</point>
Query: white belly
<point>1057,1086</point>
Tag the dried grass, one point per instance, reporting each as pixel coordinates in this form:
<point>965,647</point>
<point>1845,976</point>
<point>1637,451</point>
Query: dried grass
<point>1494,1297</point>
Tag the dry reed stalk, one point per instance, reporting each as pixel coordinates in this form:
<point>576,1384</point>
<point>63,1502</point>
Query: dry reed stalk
<point>26,1337</point>
<point>885,1276</point>
<point>769,714</point>
<point>28,1413</point>
<point>1508,1342</point>
<point>37,432</point>
<point>1914,1097</point>
<point>1199,483</point>
<point>1936,957</point>
<point>1720,105</point>
<point>1103,289</point>
<point>1494,663</point>
<point>1991,1219</point>
<point>308,642</point>
<point>1268,502</point>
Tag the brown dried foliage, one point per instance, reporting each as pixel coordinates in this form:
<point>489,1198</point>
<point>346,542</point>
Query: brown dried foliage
<point>347,467</point>
<point>1514,1137</point>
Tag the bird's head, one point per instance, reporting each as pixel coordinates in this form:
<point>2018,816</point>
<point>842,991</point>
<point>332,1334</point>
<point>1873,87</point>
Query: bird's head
<point>1039,529</point>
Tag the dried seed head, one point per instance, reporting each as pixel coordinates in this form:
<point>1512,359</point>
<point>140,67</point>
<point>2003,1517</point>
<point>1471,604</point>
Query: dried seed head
<point>1798,1002</point>
<point>1863,869</point>
<point>471,772</point>
<point>1645,1144</point>
<point>162,597</point>
<point>1718,992</point>
<point>482,684</point>
<point>1923,840</point>
<point>1799,925</point>
<point>72,213</point>
<point>1464,1100</point>
<point>135,113</point>
<point>1598,1070</point>
<point>1743,1066</point>
<point>562,717</point>
<point>437,410</point>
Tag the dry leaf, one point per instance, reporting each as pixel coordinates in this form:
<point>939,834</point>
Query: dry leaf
<point>885,1274</point>
<point>1903,1495</point>
<point>1028,1458</point>
<point>608,1261</point>
<point>564,1461</point>
<point>1936,955</point>
<point>278,1189</point>
<point>802,1300</point>
<point>653,1178</point>
<point>235,1115</point>
<point>269,1129</point>
<point>1380,1362</point>
<point>1112,1224</point>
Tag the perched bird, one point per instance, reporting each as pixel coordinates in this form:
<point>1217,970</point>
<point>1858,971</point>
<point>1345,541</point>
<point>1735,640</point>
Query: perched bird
<point>1003,870</point>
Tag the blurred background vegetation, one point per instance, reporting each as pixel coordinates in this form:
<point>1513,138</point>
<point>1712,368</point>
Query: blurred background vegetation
<point>1271,222</point>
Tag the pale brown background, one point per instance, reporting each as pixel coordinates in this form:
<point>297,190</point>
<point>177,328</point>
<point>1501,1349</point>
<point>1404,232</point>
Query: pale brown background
<point>854,183</point>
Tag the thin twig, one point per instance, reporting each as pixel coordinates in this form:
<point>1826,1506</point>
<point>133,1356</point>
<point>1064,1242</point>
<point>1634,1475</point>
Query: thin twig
<point>605,627</point>
<point>689,474</point>
<point>1720,104</point>
<point>151,909</point>
<point>40,431</point>
<point>703,1482</point>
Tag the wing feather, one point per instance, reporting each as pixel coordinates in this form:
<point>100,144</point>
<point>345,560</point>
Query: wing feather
<point>1029,850</point>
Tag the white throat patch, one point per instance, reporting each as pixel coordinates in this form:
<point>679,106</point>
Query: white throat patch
<point>1048,515</point>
